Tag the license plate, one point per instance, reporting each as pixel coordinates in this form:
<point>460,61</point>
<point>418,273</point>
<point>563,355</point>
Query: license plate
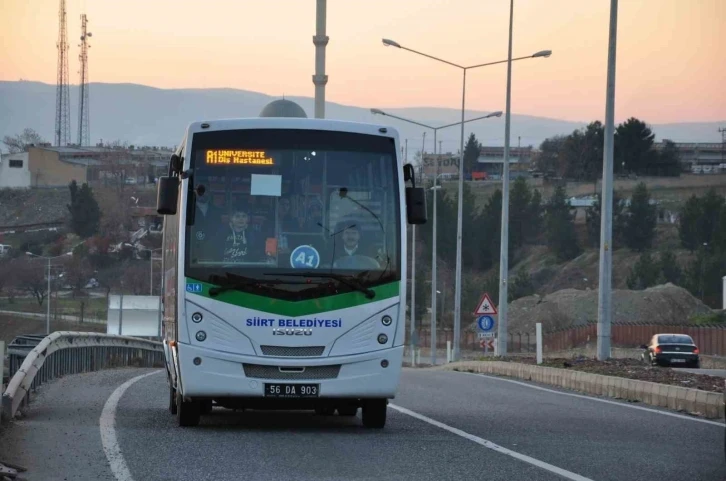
<point>291,390</point>
<point>678,360</point>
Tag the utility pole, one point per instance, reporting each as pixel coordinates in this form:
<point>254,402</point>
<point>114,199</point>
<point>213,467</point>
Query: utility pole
<point>604,310</point>
<point>320,40</point>
<point>723,144</point>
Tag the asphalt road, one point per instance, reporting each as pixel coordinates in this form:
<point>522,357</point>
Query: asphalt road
<point>708,372</point>
<point>443,425</point>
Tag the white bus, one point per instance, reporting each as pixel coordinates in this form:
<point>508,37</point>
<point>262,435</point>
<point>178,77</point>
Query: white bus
<point>284,266</point>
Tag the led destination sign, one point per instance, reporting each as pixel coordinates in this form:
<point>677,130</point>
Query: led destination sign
<point>237,157</point>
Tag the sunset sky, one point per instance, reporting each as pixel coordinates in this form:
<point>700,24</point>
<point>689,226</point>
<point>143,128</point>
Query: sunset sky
<point>671,53</point>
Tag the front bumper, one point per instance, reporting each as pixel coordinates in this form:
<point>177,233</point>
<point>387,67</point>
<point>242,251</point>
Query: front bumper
<point>223,375</point>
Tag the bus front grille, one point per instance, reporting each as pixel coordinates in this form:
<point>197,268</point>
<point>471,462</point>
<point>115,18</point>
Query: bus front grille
<point>288,351</point>
<point>259,371</point>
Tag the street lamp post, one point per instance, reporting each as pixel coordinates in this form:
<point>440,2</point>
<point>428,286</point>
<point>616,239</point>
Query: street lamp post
<point>47,301</point>
<point>459,226</point>
<point>434,255</point>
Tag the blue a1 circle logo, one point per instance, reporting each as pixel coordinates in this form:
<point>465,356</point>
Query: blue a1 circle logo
<point>304,257</point>
<point>486,323</point>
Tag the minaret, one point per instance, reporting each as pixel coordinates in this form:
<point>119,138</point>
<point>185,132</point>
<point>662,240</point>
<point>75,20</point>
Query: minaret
<point>320,40</point>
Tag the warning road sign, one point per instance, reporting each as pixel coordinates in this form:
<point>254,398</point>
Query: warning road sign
<point>485,306</point>
<point>487,343</point>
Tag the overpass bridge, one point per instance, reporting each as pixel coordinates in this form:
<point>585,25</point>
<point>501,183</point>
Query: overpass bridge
<point>95,406</point>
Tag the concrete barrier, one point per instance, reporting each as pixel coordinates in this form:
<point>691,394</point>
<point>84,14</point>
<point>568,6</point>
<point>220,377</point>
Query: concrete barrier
<point>693,401</point>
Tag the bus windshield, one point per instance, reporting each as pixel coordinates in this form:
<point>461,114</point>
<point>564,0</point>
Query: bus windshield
<point>272,204</point>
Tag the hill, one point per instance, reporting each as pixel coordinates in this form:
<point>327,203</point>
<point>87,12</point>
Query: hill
<point>144,115</point>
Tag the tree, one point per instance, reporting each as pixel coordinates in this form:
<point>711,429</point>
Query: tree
<point>30,276</point>
<point>21,142</point>
<point>669,268</point>
<point>534,225</point>
<point>491,231</point>
<point>521,286</point>
<point>593,216</point>
<point>633,146</point>
<point>472,149</point>
<point>708,222</point>
<point>581,153</point>
<point>688,223</point>
<point>78,271</point>
<point>548,158</point>
<point>668,162</point>
<point>519,212</point>
<point>644,273</point>
<point>560,227</point>
<point>642,218</point>
<point>704,275</point>
<point>84,210</point>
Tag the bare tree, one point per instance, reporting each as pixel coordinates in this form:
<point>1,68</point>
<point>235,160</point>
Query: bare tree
<point>78,271</point>
<point>21,142</point>
<point>135,277</point>
<point>30,276</point>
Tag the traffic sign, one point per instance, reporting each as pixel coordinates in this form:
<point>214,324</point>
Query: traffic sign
<point>487,344</point>
<point>485,306</point>
<point>483,335</point>
<point>486,323</point>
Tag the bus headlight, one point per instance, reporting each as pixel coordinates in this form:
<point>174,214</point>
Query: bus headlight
<point>201,336</point>
<point>197,317</point>
<point>382,339</point>
<point>386,320</point>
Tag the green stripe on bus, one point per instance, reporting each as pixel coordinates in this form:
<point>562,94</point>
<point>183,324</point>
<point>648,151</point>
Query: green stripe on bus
<point>299,308</point>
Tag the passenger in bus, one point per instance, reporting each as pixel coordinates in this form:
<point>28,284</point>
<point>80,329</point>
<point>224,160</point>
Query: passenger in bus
<point>353,254</point>
<point>241,244</point>
<point>206,226</point>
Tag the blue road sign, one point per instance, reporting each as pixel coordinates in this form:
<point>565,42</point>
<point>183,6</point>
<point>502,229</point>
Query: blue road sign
<point>305,257</point>
<point>486,323</point>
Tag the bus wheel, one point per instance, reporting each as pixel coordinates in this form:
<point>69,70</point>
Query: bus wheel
<point>188,412</point>
<point>347,411</point>
<point>172,400</point>
<point>374,413</point>
<point>207,406</point>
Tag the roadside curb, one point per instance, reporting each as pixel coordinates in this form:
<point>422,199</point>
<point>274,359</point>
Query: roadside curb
<point>694,401</point>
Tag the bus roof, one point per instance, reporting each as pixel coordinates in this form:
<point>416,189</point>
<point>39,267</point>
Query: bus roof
<point>291,123</point>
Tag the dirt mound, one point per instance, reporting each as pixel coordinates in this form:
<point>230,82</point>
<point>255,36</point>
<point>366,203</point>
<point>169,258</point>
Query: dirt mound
<point>33,206</point>
<point>664,304</point>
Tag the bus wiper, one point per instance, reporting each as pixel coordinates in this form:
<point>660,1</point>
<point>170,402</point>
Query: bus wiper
<point>350,281</point>
<point>233,282</point>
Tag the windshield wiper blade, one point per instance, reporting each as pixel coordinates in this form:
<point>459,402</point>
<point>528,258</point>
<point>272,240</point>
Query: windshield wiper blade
<point>233,282</point>
<point>349,281</point>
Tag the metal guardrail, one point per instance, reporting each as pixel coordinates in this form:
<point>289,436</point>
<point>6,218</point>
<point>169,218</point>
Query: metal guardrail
<point>64,352</point>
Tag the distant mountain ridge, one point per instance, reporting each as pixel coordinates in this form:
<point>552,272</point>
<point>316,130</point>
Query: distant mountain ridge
<point>143,115</point>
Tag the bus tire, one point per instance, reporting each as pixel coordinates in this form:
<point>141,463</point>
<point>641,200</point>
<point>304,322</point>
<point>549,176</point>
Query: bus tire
<point>374,413</point>
<point>172,400</point>
<point>207,406</point>
<point>188,412</point>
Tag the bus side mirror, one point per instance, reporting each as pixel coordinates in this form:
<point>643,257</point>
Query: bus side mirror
<point>416,205</point>
<point>408,174</point>
<point>167,195</point>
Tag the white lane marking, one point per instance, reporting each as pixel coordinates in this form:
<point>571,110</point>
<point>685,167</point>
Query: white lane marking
<point>116,461</point>
<point>494,447</point>
<point>606,401</point>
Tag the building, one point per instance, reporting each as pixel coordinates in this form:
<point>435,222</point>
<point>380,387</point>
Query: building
<point>699,157</point>
<point>14,171</point>
<point>491,159</point>
<point>58,166</point>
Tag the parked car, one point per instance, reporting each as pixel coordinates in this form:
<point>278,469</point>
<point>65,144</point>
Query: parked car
<point>671,350</point>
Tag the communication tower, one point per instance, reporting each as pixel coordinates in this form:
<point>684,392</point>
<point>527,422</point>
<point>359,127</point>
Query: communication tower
<point>62,104</point>
<point>84,130</point>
